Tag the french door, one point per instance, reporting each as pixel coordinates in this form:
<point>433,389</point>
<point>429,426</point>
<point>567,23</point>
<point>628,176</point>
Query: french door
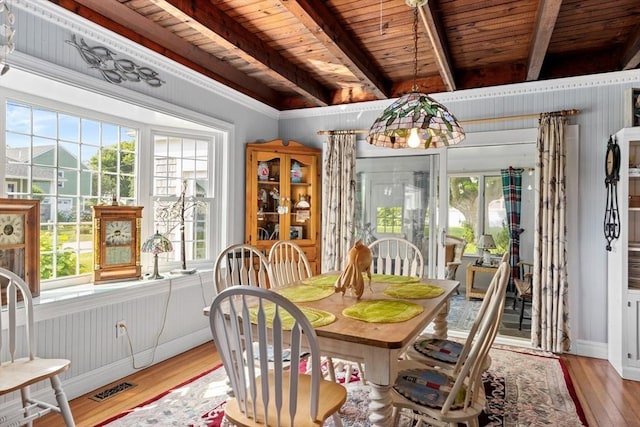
<point>404,194</point>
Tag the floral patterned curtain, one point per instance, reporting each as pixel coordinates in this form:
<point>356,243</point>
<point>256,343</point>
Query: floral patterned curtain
<point>550,325</point>
<point>338,200</point>
<point>512,191</point>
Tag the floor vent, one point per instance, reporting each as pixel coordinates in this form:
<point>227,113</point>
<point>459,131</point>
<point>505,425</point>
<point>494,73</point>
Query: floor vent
<point>111,391</point>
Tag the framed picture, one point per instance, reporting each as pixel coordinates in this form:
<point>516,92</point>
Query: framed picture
<point>632,108</point>
<point>295,232</point>
<point>20,240</point>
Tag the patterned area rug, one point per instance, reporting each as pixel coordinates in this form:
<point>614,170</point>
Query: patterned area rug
<point>462,314</point>
<point>524,388</point>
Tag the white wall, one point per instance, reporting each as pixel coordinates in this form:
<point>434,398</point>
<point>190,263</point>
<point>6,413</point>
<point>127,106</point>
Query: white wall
<point>601,101</point>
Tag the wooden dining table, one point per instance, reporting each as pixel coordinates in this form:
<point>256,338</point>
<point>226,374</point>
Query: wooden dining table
<point>378,345</point>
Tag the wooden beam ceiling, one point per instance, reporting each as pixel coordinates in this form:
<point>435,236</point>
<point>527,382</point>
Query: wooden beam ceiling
<point>434,28</point>
<point>210,21</point>
<point>631,52</point>
<point>321,22</point>
<point>547,15</point>
<point>308,53</point>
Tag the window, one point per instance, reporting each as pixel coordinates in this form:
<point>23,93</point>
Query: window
<point>473,213</point>
<point>69,163</point>
<point>389,220</point>
<point>181,163</point>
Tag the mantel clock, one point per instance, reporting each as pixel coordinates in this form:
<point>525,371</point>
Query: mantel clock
<point>116,241</point>
<point>20,240</point>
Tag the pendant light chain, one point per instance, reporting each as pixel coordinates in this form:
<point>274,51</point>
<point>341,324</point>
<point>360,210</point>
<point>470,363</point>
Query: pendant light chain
<point>415,49</point>
<point>415,119</point>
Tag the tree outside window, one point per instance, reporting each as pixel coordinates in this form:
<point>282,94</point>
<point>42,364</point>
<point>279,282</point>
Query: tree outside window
<point>482,212</point>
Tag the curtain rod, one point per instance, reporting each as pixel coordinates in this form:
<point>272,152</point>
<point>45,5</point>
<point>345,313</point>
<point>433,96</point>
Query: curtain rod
<point>571,112</point>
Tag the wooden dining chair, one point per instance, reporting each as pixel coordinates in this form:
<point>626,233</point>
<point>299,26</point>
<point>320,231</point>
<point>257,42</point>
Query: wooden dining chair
<point>19,366</point>
<point>433,394</point>
<point>288,263</point>
<point>241,316</point>
<point>524,287</point>
<point>449,354</point>
<point>241,264</point>
<point>400,257</point>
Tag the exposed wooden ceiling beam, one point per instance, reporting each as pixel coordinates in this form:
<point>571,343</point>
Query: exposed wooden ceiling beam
<point>433,26</point>
<point>542,30</point>
<point>129,24</point>
<point>210,21</point>
<point>321,22</point>
<point>631,52</point>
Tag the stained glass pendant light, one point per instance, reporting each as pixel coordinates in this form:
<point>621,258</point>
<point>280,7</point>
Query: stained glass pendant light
<point>415,119</point>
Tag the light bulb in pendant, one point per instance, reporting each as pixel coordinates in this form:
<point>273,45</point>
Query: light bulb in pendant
<point>414,138</point>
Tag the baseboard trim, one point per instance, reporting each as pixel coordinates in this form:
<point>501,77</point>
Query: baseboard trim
<point>92,380</point>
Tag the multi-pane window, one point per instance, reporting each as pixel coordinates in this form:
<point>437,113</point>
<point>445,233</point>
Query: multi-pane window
<point>69,163</point>
<point>182,190</point>
<point>389,220</point>
<point>476,207</point>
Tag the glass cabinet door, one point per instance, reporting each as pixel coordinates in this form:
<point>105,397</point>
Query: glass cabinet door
<point>302,175</point>
<point>268,203</point>
<point>283,196</point>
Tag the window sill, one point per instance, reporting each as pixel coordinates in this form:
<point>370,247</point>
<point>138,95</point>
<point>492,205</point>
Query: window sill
<point>52,302</point>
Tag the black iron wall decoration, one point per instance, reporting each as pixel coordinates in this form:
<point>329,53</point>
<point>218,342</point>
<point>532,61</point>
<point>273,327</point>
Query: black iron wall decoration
<point>114,70</point>
<point>612,171</point>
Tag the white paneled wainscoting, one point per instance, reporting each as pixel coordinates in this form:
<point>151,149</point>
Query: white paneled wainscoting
<point>163,318</point>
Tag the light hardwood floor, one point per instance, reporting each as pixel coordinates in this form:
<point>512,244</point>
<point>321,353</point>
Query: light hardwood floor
<point>606,399</point>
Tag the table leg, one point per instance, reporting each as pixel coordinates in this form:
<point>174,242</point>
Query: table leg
<point>440,326</point>
<point>380,406</point>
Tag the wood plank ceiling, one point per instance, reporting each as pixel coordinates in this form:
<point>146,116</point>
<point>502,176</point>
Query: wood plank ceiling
<point>306,53</point>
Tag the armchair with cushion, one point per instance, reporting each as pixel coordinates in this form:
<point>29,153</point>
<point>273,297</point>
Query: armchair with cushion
<point>454,248</point>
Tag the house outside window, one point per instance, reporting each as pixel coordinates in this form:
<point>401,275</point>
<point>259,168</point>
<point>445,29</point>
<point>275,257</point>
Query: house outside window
<point>69,163</point>
<point>183,163</point>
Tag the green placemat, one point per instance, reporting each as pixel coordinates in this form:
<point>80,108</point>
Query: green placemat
<point>327,280</point>
<point>305,293</point>
<point>383,311</point>
<point>330,279</point>
<point>392,278</point>
<point>413,291</point>
<point>316,317</point>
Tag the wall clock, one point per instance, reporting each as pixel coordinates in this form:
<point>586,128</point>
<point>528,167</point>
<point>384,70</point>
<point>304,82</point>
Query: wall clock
<point>116,240</point>
<point>20,240</point>
<point>612,176</point>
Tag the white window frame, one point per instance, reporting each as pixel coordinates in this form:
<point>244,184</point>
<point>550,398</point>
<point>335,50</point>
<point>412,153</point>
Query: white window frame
<point>79,102</point>
<point>212,177</point>
<point>481,175</point>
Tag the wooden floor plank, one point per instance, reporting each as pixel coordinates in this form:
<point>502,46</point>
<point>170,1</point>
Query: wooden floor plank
<point>150,382</point>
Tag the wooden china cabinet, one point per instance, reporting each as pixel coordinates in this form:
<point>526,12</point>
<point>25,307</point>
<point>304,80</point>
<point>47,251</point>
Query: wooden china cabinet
<point>283,196</point>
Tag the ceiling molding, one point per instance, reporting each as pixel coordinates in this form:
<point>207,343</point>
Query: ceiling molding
<point>41,68</point>
<point>516,89</point>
